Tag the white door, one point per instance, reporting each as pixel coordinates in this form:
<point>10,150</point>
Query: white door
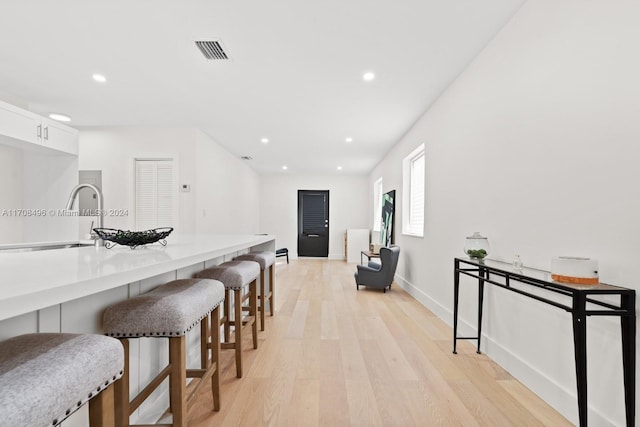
<point>155,199</point>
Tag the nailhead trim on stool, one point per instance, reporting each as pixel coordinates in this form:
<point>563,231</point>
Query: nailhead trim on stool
<point>237,275</point>
<point>46,377</point>
<point>170,311</point>
<point>266,260</point>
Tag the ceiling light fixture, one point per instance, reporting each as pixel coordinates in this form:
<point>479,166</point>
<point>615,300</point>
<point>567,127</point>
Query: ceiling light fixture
<point>284,168</point>
<point>99,78</point>
<point>59,117</point>
<point>349,139</point>
<point>339,168</point>
<point>265,140</point>
<point>368,76</point>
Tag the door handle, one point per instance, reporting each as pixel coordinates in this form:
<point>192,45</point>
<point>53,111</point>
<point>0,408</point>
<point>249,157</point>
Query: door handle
<point>313,235</point>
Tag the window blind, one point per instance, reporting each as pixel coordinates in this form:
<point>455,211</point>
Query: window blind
<point>377,205</point>
<point>416,214</point>
<point>413,176</point>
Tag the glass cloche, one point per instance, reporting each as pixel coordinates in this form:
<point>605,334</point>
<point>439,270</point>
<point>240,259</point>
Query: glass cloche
<point>476,246</point>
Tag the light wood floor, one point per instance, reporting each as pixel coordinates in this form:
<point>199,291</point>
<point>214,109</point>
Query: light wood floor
<point>334,356</point>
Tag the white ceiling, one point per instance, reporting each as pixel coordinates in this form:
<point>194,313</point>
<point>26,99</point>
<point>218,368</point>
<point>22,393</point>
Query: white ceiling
<point>295,73</point>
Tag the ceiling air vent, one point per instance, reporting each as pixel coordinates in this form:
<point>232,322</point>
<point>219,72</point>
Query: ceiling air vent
<point>212,49</point>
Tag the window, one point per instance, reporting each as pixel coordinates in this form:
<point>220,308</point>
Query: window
<point>377,204</point>
<point>413,193</point>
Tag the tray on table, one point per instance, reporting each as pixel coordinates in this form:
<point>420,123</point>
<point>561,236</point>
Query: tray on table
<point>133,239</point>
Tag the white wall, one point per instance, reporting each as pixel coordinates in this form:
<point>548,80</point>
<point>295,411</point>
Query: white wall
<point>348,207</point>
<point>536,146</point>
<point>47,182</point>
<point>37,184</point>
<point>113,150</point>
<point>10,193</point>
<point>227,190</point>
<point>213,174</point>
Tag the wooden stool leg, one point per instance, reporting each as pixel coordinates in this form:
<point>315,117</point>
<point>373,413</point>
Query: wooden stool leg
<point>204,340</point>
<point>263,300</point>
<point>272,287</point>
<point>253,300</point>
<point>227,313</point>
<point>215,357</point>
<point>178,380</point>
<point>237,321</point>
<point>121,389</point>
<point>101,409</point>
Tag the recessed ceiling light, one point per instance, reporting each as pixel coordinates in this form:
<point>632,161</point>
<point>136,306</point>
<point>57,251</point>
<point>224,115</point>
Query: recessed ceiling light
<point>284,168</point>
<point>349,139</point>
<point>265,140</point>
<point>367,77</point>
<point>339,168</point>
<point>60,117</point>
<point>99,78</point>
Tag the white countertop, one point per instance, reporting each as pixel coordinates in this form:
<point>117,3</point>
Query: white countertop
<point>35,280</point>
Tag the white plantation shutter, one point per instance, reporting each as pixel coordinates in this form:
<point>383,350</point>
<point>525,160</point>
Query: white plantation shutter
<point>164,191</point>
<point>377,205</point>
<point>416,215</point>
<point>413,175</point>
<point>145,195</point>
<point>154,194</point>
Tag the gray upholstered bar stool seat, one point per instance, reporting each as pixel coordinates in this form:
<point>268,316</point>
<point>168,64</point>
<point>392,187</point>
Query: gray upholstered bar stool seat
<point>266,260</point>
<point>236,277</point>
<point>45,377</point>
<point>170,311</point>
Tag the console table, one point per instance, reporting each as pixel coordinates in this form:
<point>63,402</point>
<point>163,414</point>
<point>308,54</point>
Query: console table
<point>579,300</point>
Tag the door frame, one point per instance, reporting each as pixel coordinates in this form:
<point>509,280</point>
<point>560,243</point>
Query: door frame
<point>299,225</point>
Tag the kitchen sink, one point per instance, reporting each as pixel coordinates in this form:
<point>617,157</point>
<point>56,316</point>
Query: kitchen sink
<point>42,246</point>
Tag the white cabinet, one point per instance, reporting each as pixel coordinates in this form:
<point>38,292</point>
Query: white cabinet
<point>56,136</point>
<point>19,124</point>
<point>24,129</point>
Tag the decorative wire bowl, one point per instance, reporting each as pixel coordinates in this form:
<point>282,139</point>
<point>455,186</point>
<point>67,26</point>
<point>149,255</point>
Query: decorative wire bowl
<point>133,239</point>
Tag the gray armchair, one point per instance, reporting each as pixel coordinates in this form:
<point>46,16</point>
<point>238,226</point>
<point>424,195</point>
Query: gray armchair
<point>379,275</point>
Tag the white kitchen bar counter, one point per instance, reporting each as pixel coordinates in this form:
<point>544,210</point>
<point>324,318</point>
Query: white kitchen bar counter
<point>35,280</point>
<point>67,290</point>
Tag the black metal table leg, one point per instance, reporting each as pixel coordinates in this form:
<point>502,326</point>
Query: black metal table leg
<point>485,270</point>
<point>580,352</point>
<point>456,291</point>
<point>483,275</point>
<point>628,326</point>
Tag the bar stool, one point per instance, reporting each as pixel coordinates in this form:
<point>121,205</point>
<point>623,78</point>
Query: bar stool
<point>46,377</point>
<point>266,260</point>
<point>170,311</point>
<point>283,252</point>
<point>236,276</point>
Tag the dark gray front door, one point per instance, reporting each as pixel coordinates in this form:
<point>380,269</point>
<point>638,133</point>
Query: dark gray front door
<point>313,223</point>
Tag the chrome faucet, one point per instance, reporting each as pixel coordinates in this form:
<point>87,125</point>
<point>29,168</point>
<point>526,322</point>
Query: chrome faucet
<point>72,198</point>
